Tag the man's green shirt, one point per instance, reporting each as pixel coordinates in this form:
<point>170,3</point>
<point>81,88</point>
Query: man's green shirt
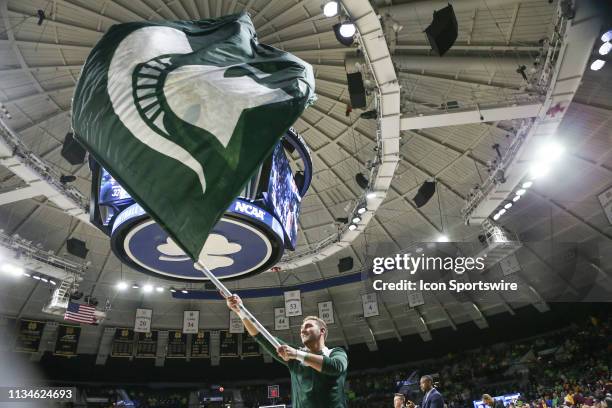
<point>310,388</point>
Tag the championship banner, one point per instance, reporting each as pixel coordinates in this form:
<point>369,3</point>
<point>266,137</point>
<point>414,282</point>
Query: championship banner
<point>191,321</point>
<point>123,343</point>
<point>177,344</point>
<point>142,324</point>
<point>326,312</point>
<point>509,265</point>
<point>182,114</point>
<point>228,344</point>
<point>415,299</point>
<point>235,323</point>
<point>293,303</point>
<point>146,345</point>
<point>370,305</point>
<point>250,348</point>
<point>200,344</point>
<point>28,336</point>
<point>67,340</point>
<point>281,322</point>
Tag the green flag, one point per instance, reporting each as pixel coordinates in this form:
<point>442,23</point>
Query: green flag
<point>182,114</point>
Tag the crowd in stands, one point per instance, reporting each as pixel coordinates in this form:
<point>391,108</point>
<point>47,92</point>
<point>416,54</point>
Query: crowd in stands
<point>570,368</point>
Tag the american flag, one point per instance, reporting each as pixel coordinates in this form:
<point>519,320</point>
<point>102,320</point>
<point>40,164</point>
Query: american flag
<point>80,313</point>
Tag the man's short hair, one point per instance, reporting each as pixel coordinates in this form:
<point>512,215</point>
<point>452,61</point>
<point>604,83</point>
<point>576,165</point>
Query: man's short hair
<point>320,322</point>
<point>427,377</point>
<point>400,395</point>
<point>486,397</point>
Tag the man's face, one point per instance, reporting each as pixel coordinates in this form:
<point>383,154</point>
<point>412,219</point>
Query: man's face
<point>310,332</point>
<point>489,401</point>
<point>425,384</point>
<point>398,402</point>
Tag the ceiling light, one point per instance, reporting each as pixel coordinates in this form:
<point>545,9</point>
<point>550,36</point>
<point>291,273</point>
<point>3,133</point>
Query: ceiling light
<point>342,39</point>
<point>539,170</point>
<point>527,184</point>
<point>185,291</point>
<point>605,48</point>
<point>516,198</point>
<point>520,191</point>
<point>330,8</point>
<point>122,285</point>
<point>508,206</point>
<point>44,279</point>
<point>352,227</point>
<point>135,286</point>
<point>443,238</point>
<point>51,281</point>
<point>27,274</point>
<point>159,289</point>
<point>147,288</point>
<point>501,212</point>
<point>551,151</point>
<point>597,64</point>
<point>172,290</point>
<point>361,210</point>
<point>496,217</point>
<point>356,220</point>
<point>37,277</point>
<point>347,30</point>
<point>13,270</point>
<point>607,36</point>
<point>371,195</point>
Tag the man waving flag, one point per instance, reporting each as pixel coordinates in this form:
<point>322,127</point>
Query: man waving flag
<point>183,113</point>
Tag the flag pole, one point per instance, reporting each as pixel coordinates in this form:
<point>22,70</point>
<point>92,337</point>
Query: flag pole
<point>226,293</point>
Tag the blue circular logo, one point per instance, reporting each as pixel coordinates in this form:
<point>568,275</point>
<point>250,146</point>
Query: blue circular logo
<point>236,246</point>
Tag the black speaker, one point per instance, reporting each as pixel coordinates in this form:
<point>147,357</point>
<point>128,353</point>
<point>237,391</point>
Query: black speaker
<point>345,264</point>
<point>443,30</point>
<point>426,191</point>
<point>361,180</point>
<point>72,150</point>
<point>77,247</point>
<point>356,90</point>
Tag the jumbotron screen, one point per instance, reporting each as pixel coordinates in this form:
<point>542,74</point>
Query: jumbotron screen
<point>110,191</point>
<point>283,195</point>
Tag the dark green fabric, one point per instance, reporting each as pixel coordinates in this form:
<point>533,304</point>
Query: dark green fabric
<point>310,388</point>
<point>167,188</point>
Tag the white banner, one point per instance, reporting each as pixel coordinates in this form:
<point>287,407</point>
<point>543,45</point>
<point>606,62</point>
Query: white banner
<point>235,323</point>
<point>326,312</point>
<point>142,324</point>
<point>509,265</point>
<point>415,299</point>
<point>281,322</point>
<point>370,305</point>
<point>191,321</point>
<point>293,303</point>
<point>605,199</point>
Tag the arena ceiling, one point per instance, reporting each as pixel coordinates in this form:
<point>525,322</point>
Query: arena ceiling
<point>40,64</point>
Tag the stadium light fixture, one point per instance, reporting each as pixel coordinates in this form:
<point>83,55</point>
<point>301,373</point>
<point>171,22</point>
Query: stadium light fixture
<point>607,36</point>
<point>135,286</point>
<point>538,170</point>
<point>496,217</point>
<point>508,206</point>
<point>37,277</point>
<point>330,9</point>
<point>502,212</point>
<point>371,195</point>
<point>147,288</point>
<point>527,184</point>
<point>159,289</point>
<point>516,198</point>
<point>443,238</point>
<point>51,281</point>
<point>172,290</point>
<point>597,64</point>
<point>520,191</point>
<point>42,278</point>
<point>356,219</point>
<point>605,48</point>
<point>352,227</point>
<point>185,291</point>
<point>362,209</point>
<point>122,285</point>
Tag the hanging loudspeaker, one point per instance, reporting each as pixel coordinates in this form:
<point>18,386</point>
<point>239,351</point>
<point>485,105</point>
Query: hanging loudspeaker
<point>356,90</point>
<point>443,30</point>
<point>426,191</point>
